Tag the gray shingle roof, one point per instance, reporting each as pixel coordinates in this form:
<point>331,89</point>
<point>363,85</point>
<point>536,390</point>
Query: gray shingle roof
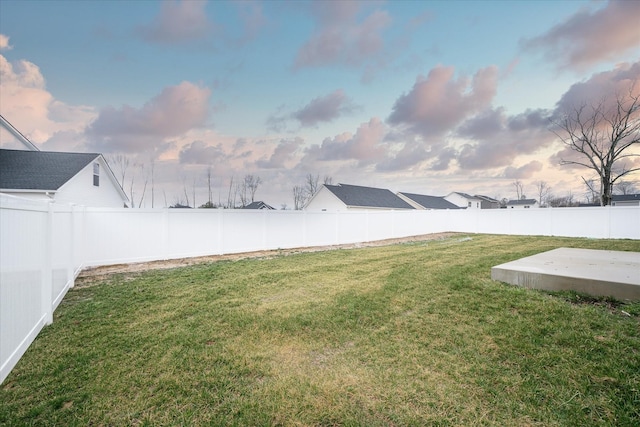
<point>40,170</point>
<point>430,202</point>
<point>625,197</point>
<point>466,196</point>
<point>355,195</point>
<point>522,202</point>
<point>258,205</point>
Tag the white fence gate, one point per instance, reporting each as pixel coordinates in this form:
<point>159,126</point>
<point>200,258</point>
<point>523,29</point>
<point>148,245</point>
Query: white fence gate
<point>44,245</point>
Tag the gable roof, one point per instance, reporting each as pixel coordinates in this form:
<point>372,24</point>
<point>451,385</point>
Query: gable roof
<point>430,202</point>
<point>367,197</point>
<point>465,195</point>
<point>486,198</point>
<point>40,170</point>
<point>258,205</point>
<point>522,202</point>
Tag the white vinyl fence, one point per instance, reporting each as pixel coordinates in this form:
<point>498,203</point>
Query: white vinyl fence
<point>44,245</point>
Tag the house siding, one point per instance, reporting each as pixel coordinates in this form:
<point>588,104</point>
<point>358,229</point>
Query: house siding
<point>325,200</point>
<point>463,202</point>
<point>81,191</point>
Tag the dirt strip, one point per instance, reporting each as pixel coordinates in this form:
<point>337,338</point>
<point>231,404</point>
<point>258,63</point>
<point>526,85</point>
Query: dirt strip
<point>92,275</point>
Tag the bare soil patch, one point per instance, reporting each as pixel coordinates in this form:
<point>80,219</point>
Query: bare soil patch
<point>93,275</point>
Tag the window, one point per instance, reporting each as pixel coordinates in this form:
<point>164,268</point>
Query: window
<point>469,204</point>
<point>96,174</point>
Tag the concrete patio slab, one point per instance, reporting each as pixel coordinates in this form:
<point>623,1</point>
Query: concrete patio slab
<point>594,272</point>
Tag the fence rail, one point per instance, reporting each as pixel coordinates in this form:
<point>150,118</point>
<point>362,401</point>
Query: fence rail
<point>44,245</point>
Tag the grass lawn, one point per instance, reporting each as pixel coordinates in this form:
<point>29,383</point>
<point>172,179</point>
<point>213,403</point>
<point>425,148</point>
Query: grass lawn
<point>409,334</point>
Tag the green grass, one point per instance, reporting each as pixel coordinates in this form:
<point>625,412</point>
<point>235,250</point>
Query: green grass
<point>410,334</point>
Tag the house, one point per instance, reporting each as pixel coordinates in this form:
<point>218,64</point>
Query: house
<point>259,205</point>
<point>488,202</point>
<point>354,197</point>
<point>625,200</point>
<point>522,204</point>
<point>77,178</point>
<point>464,200</point>
<point>420,201</point>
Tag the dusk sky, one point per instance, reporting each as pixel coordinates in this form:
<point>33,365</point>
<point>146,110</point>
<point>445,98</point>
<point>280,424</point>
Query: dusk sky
<point>420,96</point>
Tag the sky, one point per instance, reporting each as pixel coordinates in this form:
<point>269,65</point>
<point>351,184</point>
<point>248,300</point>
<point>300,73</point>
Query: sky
<point>425,97</point>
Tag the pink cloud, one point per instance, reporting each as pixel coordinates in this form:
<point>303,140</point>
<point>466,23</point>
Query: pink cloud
<point>409,155</point>
<point>523,172</point>
<point>178,22</point>
<point>31,108</point>
<point>324,109</point>
<point>604,85</point>
<point>4,43</point>
<point>282,155</point>
<point>438,102</point>
<point>496,139</point>
<point>589,37</point>
<point>174,111</point>
<point>366,146</point>
<point>340,38</point>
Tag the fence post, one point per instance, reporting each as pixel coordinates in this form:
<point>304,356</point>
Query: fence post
<point>47,275</point>
<point>71,277</point>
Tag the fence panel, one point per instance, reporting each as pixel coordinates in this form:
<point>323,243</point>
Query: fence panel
<point>43,245</point>
<point>285,229</point>
<point>23,277</point>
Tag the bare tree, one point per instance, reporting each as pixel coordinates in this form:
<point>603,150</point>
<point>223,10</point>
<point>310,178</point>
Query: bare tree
<point>519,193</point>
<point>602,135</point>
<point>193,189</point>
<point>591,194</point>
<point>184,189</point>
<point>561,201</point>
<point>626,187</point>
<point>209,184</point>
<point>231,197</point>
<point>298,197</point>
<point>120,164</point>
<point>544,191</point>
<point>311,185</point>
<point>251,184</point>
<point>146,180</point>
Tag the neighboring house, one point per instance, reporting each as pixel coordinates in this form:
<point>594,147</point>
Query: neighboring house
<point>488,202</point>
<point>420,201</point>
<point>522,204</point>
<point>259,205</point>
<point>464,200</point>
<point>78,178</point>
<point>354,197</point>
<point>625,200</point>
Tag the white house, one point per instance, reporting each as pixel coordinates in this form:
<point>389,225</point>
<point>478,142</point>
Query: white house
<point>77,178</point>
<point>522,204</point>
<point>354,197</point>
<point>625,200</point>
<point>464,200</point>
